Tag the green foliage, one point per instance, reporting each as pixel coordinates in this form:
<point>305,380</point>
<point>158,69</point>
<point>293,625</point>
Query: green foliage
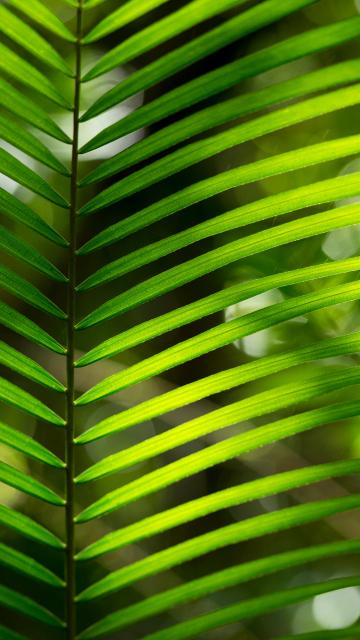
<point>228,190</point>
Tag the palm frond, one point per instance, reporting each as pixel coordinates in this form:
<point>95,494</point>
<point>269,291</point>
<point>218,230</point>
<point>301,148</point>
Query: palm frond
<point>203,105</point>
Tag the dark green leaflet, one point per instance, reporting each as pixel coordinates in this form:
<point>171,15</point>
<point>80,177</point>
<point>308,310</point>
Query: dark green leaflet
<point>29,528</point>
<point>14,208</point>
<point>28,607</point>
<point>21,481</point>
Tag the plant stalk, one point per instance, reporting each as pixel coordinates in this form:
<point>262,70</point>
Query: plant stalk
<point>70,358</point>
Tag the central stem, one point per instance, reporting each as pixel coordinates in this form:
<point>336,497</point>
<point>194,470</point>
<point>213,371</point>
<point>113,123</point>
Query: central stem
<point>70,426</point>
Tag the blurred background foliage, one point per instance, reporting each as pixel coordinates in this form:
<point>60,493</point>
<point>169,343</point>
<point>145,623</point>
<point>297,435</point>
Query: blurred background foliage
<point>331,442</point>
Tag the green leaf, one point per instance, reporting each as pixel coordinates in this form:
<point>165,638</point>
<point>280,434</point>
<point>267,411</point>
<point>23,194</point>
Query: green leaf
<point>216,383</point>
<point>26,606</point>
<point>221,113</point>
<point>17,322</point>
<point>24,140</point>
<point>246,174</point>
<point>220,336</point>
<point>215,454</point>
<point>13,168</point>
<point>17,30</point>
<point>24,564</point>
<point>15,66</point>
<point>197,151</point>
<point>281,397</point>
<point>7,634</point>
<point>209,84</point>
<point>162,30</point>
<point>38,12</point>
<point>209,262</point>
<point>23,482</point>
<point>263,209</point>
<point>251,608</point>
<point>12,245</point>
<point>30,447</point>
<point>279,204</point>
<point>195,547</point>
<point>10,357</point>
<point>220,580</point>
<point>250,245</point>
<point>14,208</point>
<point>120,17</point>
<point>17,103</point>
<point>27,527</point>
<point>206,306</point>
<point>259,25</point>
<point>212,503</point>
<point>21,288</point>
<point>251,407</point>
<point>89,4</point>
<point>13,395</point>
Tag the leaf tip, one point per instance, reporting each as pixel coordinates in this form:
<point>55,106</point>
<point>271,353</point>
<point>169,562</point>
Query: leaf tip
<point>89,75</point>
<point>80,363</point>
<point>63,242</point>
<point>87,146</point>
<point>81,478</point>
<point>60,422</point>
<point>82,324</point>
<point>84,285</point>
<point>80,400</point>
<point>83,210</point>
<point>85,181</point>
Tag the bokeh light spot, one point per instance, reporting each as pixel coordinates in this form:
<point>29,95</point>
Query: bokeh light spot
<point>338,609</point>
